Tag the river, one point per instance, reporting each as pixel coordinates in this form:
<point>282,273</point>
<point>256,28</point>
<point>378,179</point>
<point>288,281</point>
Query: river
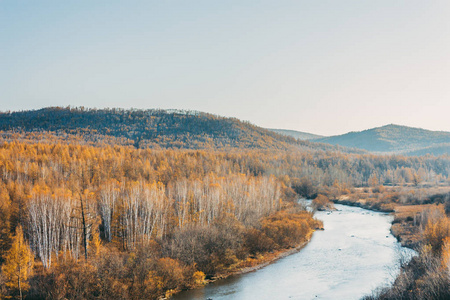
<point>353,255</point>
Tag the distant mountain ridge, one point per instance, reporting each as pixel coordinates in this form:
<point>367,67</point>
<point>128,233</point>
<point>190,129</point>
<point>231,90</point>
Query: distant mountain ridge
<point>297,134</point>
<point>394,139</point>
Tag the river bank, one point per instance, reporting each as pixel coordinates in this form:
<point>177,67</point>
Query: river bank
<point>365,205</point>
<point>425,228</point>
<point>268,259</point>
<point>352,256</point>
<point>403,226</point>
<point>278,235</point>
<point>252,264</point>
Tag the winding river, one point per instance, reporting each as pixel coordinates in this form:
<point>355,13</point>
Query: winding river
<point>353,255</point>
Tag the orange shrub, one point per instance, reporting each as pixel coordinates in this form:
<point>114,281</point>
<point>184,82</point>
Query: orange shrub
<point>287,229</point>
<point>170,272</point>
<point>321,202</point>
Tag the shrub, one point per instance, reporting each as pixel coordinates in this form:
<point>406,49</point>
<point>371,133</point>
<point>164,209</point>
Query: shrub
<point>287,229</point>
<point>257,241</point>
<point>321,202</point>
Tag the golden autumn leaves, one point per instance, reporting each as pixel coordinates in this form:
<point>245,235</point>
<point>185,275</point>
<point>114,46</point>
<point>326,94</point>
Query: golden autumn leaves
<point>19,263</point>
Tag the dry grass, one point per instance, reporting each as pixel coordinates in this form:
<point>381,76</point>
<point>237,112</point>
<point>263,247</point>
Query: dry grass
<point>402,212</point>
<point>404,227</point>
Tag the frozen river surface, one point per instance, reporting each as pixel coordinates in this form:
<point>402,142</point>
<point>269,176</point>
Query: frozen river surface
<point>353,255</point>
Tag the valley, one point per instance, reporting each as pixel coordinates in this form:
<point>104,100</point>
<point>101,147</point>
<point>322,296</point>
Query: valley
<point>146,204</point>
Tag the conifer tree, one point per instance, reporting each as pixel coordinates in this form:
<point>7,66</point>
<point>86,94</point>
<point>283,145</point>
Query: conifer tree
<point>5,215</point>
<point>19,261</point>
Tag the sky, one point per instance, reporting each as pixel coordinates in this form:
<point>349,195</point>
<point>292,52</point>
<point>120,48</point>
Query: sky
<point>324,67</point>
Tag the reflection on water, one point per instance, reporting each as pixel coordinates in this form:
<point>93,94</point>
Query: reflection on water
<point>355,254</point>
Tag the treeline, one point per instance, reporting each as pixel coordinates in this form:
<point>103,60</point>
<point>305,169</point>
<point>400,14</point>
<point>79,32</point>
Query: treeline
<point>155,128</point>
<point>58,163</point>
<point>151,128</point>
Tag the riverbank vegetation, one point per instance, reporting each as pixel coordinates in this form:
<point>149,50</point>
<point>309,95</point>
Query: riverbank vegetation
<point>421,222</point>
<point>115,221</point>
<point>321,202</point>
<point>426,276</point>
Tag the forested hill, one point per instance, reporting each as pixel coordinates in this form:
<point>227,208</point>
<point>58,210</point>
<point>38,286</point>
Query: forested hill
<point>395,139</point>
<point>297,134</point>
<point>145,129</point>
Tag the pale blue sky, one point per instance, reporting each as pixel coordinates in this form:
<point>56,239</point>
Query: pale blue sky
<point>325,67</point>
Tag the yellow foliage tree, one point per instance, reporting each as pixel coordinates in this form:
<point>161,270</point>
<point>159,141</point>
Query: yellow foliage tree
<point>96,244</point>
<point>446,254</point>
<point>373,180</point>
<point>18,263</point>
<point>437,231</point>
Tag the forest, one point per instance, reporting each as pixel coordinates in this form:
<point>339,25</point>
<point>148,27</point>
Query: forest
<point>82,220</point>
<point>151,128</point>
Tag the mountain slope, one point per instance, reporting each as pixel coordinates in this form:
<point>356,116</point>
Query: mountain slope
<point>395,138</point>
<point>297,134</point>
<point>145,129</point>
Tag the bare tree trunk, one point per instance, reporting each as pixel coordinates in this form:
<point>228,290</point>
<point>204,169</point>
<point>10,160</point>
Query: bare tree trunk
<point>83,220</point>
<point>18,277</point>
<point>20,287</point>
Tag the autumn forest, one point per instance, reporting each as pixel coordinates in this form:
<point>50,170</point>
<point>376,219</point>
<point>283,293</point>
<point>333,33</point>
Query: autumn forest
<point>104,210</point>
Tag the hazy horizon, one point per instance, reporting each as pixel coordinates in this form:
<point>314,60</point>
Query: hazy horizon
<point>323,67</point>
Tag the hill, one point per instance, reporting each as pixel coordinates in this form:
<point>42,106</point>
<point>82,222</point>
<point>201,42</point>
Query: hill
<point>440,149</point>
<point>395,139</point>
<point>297,134</point>
<point>153,128</point>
